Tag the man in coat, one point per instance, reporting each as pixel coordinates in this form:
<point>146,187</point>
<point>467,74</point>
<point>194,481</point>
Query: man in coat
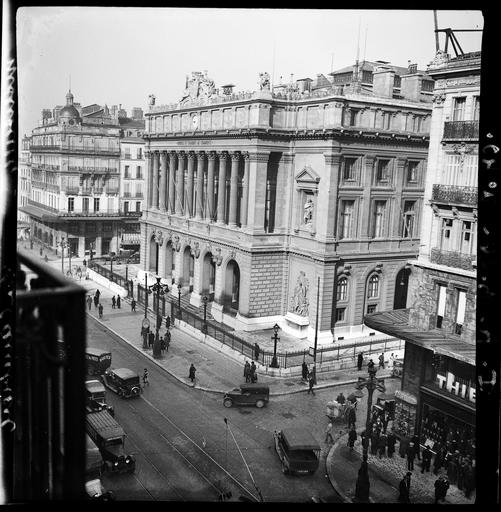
<point>381,446</point>
<point>390,442</point>
<point>192,372</point>
<point>360,361</point>
<point>411,455</point>
<point>304,371</point>
<point>118,301</point>
<point>151,339</point>
<point>247,371</point>
<point>352,437</point>
<point>404,489</point>
<point>425,466</point>
<point>257,350</point>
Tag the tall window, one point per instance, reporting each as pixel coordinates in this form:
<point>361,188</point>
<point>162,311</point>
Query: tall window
<point>409,215</point>
<point>342,289</point>
<point>71,204</point>
<point>349,169</point>
<point>412,172</point>
<point>383,171</point>
<point>346,224</point>
<point>139,173</point>
<point>96,204</point>
<point>476,108</point>
<point>138,206</point>
<point>387,116</point>
<point>127,153</point>
<point>460,311</point>
<point>340,314</point>
<point>139,190</point>
<point>466,237</point>
<point>459,107</point>
<point>354,116</point>
<point>85,204</point>
<point>126,207</point>
<point>446,239</point>
<point>378,220</point>
<point>126,172</point>
<point>139,153</point>
<point>442,295</point>
<point>373,288</point>
<point>127,189</point>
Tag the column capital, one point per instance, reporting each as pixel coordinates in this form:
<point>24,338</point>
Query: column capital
<point>245,156</point>
<point>235,156</point>
<point>201,155</point>
<point>223,155</point>
<point>259,157</point>
<point>190,155</point>
<point>211,155</point>
<point>181,154</point>
<point>287,158</point>
<point>332,158</point>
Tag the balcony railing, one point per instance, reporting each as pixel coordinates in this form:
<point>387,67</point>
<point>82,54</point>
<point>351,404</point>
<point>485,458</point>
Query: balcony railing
<point>455,194</point>
<point>112,190</point>
<point>461,130</point>
<point>46,456</point>
<point>88,213</point>
<point>71,190</point>
<point>93,170</point>
<point>452,259</point>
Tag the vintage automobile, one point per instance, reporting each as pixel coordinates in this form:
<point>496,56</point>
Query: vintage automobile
<point>248,394</point>
<point>298,450</point>
<point>398,367</point>
<point>95,397</point>
<point>98,360</point>
<point>122,381</point>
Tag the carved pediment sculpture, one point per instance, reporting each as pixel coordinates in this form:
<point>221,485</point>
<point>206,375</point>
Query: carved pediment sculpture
<point>199,86</point>
<point>264,81</point>
<point>299,302</point>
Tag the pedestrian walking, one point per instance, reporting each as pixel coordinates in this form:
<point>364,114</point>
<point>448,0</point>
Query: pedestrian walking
<point>167,341</point>
<point>89,302</point>
<point>351,417</point>
<point>253,372</point>
<point>96,301</point>
<point>84,262</point>
<point>118,301</point>
<point>441,488</point>
<point>452,468</point>
<point>247,369</point>
<point>340,398</point>
<point>374,442</point>
<point>133,305</point>
<point>328,433</point>
<point>151,339</point>
<point>360,360</point>
<point>113,302</point>
<point>381,361</point>
<point>390,443</point>
<point>469,479</point>
<point>146,382</point>
<point>100,309</point>
<point>192,372</point>
<point>370,365</point>
<point>425,466</point>
<point>304,371</point>
<point>167,322</point>
<point>98,293</point>
<point>402,447</point>
<point>311,383</point>
<point>162,343</point>
<point>381,446</point>
<point>391,361</point>
<point>417,446</point>
<point>257,350</point>
<point>411,455</point>
<point>352,437</point>
<point>404,489</point>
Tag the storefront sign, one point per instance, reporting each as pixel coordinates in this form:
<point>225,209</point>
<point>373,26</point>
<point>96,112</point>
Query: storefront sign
<point>449,383</point>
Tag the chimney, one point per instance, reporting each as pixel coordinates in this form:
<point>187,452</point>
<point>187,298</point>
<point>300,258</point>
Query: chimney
<point>383,81</point>
<point>411,84</point>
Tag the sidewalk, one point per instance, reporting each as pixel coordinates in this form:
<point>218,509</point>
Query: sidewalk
<point>219,369</point>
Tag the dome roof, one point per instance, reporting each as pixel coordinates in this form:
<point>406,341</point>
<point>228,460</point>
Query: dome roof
<point>69,111</point>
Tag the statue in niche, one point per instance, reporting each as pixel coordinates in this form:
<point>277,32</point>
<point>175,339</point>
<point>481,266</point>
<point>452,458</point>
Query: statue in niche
<point>308,211</point>
<point>299,301</point>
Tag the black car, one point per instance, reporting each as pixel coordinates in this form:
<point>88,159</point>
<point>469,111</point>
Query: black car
<point>122,381</point>
<point>248,394</point>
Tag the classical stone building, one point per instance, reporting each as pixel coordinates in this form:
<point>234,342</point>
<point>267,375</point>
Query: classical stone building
<point>438,386</point>
<point>74,200</point>
<point>262,199</point>
<point>24,183</point>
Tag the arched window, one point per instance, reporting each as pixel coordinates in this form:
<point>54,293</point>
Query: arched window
<point>342,288</point>
<point>373,288</point>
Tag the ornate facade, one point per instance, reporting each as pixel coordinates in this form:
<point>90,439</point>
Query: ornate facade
<point>259,197</point>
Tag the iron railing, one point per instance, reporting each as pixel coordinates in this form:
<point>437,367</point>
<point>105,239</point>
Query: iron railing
<point>455,194</point>
<point>48,456</point>
<point>461,130</point>
<point>452,259</point>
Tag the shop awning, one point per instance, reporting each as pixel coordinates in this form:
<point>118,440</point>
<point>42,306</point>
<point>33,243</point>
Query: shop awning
<point>396,323</point>
<point>39,213</point>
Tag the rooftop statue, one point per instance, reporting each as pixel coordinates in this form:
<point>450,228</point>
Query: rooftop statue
<point>199,86</point>
<point>264,81</point>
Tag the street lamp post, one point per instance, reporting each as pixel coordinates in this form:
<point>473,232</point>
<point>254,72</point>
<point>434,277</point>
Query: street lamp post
<point>160,289</point>
<point>179,299</point>
<point>274,362</point>
<point>146,322</point>
<point>62,254</point>
<point>371,383</point>
<point>205,299</point>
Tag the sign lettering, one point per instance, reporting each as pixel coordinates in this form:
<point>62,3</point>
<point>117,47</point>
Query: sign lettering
<point>454,387</point>
<point>194,142</point>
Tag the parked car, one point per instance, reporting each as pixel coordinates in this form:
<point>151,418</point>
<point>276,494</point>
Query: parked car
<point>298,450</point>
<point>122,381</point>
<point>248,394</point>
<point>95,396</point>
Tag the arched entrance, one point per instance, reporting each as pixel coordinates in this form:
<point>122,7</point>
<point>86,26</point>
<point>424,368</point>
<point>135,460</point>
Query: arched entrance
<point>401,288</point>
<point>188,268</point>
<point>168,261</point>
<point>153,266</point>
<point>231,287</point>
<point>208,276</point>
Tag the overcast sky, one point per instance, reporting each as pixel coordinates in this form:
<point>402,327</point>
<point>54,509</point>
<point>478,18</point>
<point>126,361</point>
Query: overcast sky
<point>118,55</point>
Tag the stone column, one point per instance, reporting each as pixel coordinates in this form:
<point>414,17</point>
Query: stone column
<point>222,185</point>
<point>180,183</point>
<point>172,183</point>
<point>257,191</point>
<point>365,207</point>
<point>210,185</point>
<point>163,180</point>
<point>327,209</point>
<point>395,220</point>
<point>200,185</point>
<point>189,198</point>
<point>155,179</point>
<point>149,157</point>
<point>235,159</point>
<point>245,192</point>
